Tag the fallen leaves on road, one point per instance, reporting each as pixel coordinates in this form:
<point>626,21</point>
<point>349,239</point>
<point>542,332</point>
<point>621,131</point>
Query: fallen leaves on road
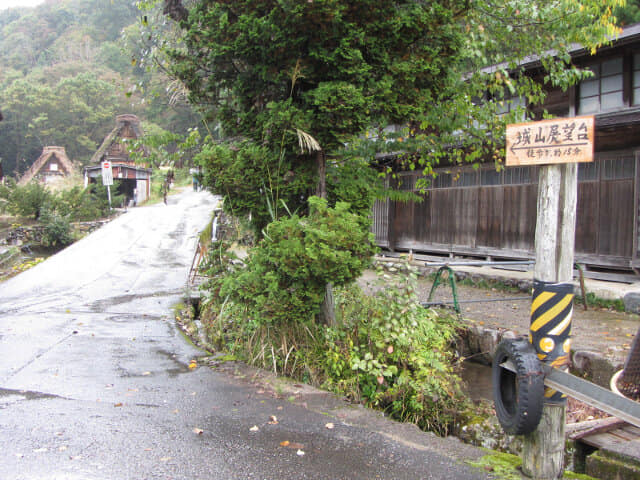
<point>193,364</point>
<point>119,404</point>
<point>294,445</point>
<point>273,420</point>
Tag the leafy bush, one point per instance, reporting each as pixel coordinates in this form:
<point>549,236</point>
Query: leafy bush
<point>5,193</point>
<point>57,229</point>
<point>246,175</point>
<point>286,274</point>
<point>76,203</point>
<point>83,204</point>
<point>386,351</point>
<point>29,200</point>
<point>391,353</point>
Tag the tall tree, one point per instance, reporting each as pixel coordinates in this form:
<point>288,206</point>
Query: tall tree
<point>295,81</point>
<point>268,69</point>
<point>281,73</point>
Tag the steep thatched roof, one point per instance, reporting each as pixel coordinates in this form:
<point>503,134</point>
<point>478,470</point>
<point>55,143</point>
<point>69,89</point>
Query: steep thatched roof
<point>47,152</point>
<point>122,121</point>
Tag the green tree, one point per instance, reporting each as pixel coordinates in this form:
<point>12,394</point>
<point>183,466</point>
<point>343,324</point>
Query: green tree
<point>277,72</point>
<point>65,74</point>
<point>295,82</point>
<point>629,13</point>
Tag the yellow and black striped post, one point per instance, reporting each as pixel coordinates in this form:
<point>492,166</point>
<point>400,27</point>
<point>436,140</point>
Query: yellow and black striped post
<point>550,329</point>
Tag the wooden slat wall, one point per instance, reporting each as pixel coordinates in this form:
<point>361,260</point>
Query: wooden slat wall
<point>519,216</point>
<point>587,218</point>
<point>502,217</point>
<point>615,233</point>
<point>381,222</point>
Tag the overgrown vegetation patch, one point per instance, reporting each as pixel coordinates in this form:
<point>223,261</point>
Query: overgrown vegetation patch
<point>384,351</point>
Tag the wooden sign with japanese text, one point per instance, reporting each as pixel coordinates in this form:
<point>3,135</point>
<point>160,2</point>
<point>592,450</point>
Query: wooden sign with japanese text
<point>561,140</point>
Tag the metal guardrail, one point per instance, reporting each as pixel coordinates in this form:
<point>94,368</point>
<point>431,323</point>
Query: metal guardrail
<point>589,393</point>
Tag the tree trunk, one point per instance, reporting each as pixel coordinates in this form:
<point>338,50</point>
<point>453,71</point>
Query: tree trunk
<point>328,308</point>
<point>327,315</point>
<point>321,168</point>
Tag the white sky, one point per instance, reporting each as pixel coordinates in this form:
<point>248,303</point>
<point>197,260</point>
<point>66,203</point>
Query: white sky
<point>19,3</point>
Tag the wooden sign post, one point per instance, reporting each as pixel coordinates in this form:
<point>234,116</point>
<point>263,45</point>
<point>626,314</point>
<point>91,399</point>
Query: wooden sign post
<point>556,145</point>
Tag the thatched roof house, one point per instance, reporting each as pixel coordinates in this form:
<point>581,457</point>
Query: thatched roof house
<point>127,128</point>
<point>134,180</point>
<point>51,166</point>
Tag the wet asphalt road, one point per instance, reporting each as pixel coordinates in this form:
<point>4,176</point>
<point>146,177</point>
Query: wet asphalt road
<point>95,380</point>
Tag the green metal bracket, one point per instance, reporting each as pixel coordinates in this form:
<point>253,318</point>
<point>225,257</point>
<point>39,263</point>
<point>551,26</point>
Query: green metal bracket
<point>452,282</point>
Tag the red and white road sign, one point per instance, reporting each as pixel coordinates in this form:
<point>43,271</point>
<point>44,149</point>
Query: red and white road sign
<point>107,173</point>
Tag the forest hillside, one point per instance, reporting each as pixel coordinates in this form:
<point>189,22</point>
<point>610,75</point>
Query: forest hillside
<point>67,68</point>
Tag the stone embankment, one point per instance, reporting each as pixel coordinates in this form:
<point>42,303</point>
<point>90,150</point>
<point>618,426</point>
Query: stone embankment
<point>21,235</point>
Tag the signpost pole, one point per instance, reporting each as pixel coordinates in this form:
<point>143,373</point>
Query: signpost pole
<point>543,449</point>
<point>107,178</point>
<point>556,146</point>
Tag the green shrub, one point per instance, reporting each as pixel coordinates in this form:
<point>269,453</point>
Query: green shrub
<point>57,229</point>
<point>391,353</point>
<point>287,272</point>
<point>386,351</point>
<point>29,200</point>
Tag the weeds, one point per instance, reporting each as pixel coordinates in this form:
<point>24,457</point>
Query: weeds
<point>386,351</point>
<point>594,301</point>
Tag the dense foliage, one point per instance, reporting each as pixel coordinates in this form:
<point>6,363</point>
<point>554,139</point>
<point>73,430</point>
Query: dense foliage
<point>336,70</point>
<point>385,351</point>
<point>285,274</point>
<point>295,78</point>
<point>77,203</point>
<point>391,353</point>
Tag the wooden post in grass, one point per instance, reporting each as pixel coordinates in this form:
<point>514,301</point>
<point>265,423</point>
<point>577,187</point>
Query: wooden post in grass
<point>556,145</point>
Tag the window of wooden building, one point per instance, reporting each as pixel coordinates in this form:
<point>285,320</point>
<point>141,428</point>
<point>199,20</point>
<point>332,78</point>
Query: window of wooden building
<point>636,79</point>
<point>604,91</point>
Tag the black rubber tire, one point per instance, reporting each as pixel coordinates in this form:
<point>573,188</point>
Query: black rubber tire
<point>519,396</point>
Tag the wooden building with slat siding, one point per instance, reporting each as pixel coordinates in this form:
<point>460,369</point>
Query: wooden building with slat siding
<point>485,213</point>
<point>134,180</point>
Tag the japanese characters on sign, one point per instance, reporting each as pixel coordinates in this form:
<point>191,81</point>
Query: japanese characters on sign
<point>561,140</point>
